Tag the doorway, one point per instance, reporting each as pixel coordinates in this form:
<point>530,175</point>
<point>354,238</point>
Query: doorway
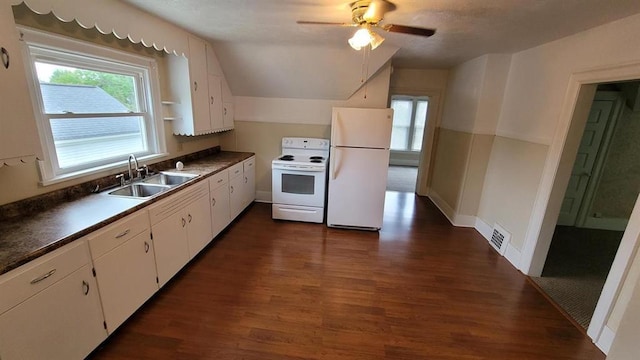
<point>409,124</point>
<point>598,202</point>
<point>556,177</point>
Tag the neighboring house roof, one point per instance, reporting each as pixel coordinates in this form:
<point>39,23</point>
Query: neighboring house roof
<point>79,99</point>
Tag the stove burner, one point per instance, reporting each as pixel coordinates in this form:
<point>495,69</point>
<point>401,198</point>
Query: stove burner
<point>316,158</point>
<point>286,158</point>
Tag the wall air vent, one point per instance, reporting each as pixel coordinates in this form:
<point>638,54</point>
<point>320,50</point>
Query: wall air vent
<point>500,239</point>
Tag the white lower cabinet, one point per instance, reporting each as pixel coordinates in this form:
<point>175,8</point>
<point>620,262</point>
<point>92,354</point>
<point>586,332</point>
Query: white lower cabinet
<point>181,227</point>
<point>58,313</point>
<point>125,267</point>
<point>249,187</point>
<point>63,304</point>
<point>236,197</point>
<point>219,193</point>
<point>242,186</point>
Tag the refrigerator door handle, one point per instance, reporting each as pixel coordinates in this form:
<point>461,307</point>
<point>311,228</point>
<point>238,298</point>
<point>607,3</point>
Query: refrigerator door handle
<point>335,137</point>
<point>334,164</point>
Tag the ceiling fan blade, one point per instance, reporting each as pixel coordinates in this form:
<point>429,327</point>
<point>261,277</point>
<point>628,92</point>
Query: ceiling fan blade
<point>303,22</point>
<point>376,10</point>
<point>408,30</point>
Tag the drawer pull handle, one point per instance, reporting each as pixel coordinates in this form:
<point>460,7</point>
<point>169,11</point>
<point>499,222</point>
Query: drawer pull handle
<point>85,287</point>
<point>245,179</point>
<point>220,180</point>
<point>42,277</point>
<point>124,233</point>
<point>213,201</point>
<point>190,218</point>
<point>232,189</point>
<point>184,222</point>
<point>146,247</point>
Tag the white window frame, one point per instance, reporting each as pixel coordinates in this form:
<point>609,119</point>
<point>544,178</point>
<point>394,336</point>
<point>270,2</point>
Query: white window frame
<point>39,45</point>
<point>412,126</point>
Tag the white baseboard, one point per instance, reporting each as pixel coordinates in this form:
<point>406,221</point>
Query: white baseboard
<point>464,220</point>
<point>263,196</point>
<point>513,255</point>
<point>404,162</point>
<point>605,340</point>
<point>483,228</point>
<point>615,224</point>
<point>442,205</point>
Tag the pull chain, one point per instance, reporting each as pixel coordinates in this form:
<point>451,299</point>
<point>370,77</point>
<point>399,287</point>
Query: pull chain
<point>364,71</point>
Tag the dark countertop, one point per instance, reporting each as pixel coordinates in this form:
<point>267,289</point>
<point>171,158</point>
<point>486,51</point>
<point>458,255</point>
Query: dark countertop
<point>33,236</point>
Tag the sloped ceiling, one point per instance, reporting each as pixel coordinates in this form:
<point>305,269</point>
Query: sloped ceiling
<point>297,71</point>
<point>265,53</point>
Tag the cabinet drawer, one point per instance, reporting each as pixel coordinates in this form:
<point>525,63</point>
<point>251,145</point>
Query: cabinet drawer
<point>235,170</point>
<point>177,202</point>
<point>249,163</point>
<point>117,233</point>
<point>219,179</point>
<point>31,278</point>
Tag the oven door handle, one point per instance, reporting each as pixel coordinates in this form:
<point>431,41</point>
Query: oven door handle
<point>275,167</point>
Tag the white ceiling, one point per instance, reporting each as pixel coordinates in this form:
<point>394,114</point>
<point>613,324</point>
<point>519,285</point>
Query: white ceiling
<point>243,30</point>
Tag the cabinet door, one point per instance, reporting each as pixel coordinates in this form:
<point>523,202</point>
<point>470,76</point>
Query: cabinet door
<point>64,321</point>
<point>198,217</point>
<point>170,246</point>
<point>199,87</point>
<point>126,278</point>
<point>236,199</point>
<point>215,103</point>
<point>18,133</point>
<point>227,110</point>
<point>249,188</point>
<point>220,217</point>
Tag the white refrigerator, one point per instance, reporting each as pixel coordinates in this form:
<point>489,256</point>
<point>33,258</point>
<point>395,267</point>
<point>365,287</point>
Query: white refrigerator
<point>358,163</point>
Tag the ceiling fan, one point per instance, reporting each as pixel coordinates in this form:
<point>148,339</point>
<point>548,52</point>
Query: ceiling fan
<point>368,14</point>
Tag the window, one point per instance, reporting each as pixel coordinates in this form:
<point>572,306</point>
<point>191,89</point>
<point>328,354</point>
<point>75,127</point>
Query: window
<point>409,120</point>
<point>95,105</point>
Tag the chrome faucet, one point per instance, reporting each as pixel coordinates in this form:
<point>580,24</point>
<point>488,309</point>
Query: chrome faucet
<point>135,162</point>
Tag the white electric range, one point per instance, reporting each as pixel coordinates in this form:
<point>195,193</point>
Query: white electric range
<point>299,180</point>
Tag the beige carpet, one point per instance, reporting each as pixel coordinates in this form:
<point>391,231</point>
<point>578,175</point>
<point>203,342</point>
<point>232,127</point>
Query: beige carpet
<point>576,268</point>
<point>402,178</point>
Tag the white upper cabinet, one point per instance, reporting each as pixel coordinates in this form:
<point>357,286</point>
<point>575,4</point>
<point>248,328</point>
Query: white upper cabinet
<point>199,85</point>
<point>227,105</point>
<point>18,133</point>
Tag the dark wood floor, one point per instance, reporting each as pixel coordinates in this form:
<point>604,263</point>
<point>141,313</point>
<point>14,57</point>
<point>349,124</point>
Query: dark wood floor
<point>419,289</point>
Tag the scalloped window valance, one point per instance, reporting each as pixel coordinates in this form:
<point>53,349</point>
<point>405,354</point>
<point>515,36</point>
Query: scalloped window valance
<point>117,18</point>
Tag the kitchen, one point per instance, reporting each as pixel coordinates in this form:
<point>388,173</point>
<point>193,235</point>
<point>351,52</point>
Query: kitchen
<point>310,118</point>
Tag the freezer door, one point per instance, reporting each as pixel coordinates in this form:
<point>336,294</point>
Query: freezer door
<point>367,128</point>
<point>357,183</point>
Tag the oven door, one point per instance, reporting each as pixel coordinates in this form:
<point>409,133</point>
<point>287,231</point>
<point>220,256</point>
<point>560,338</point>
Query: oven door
<point>298,187</point>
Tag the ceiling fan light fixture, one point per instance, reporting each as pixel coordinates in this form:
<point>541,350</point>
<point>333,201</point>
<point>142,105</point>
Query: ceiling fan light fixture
<point>364,37</point>
<point>376,40</point>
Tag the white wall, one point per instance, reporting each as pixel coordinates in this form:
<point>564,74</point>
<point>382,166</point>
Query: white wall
<point>540,95</point>
<point>463,95</point>
<point>474,98</point>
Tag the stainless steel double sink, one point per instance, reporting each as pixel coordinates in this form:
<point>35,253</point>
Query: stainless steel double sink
<point>152,185</point>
